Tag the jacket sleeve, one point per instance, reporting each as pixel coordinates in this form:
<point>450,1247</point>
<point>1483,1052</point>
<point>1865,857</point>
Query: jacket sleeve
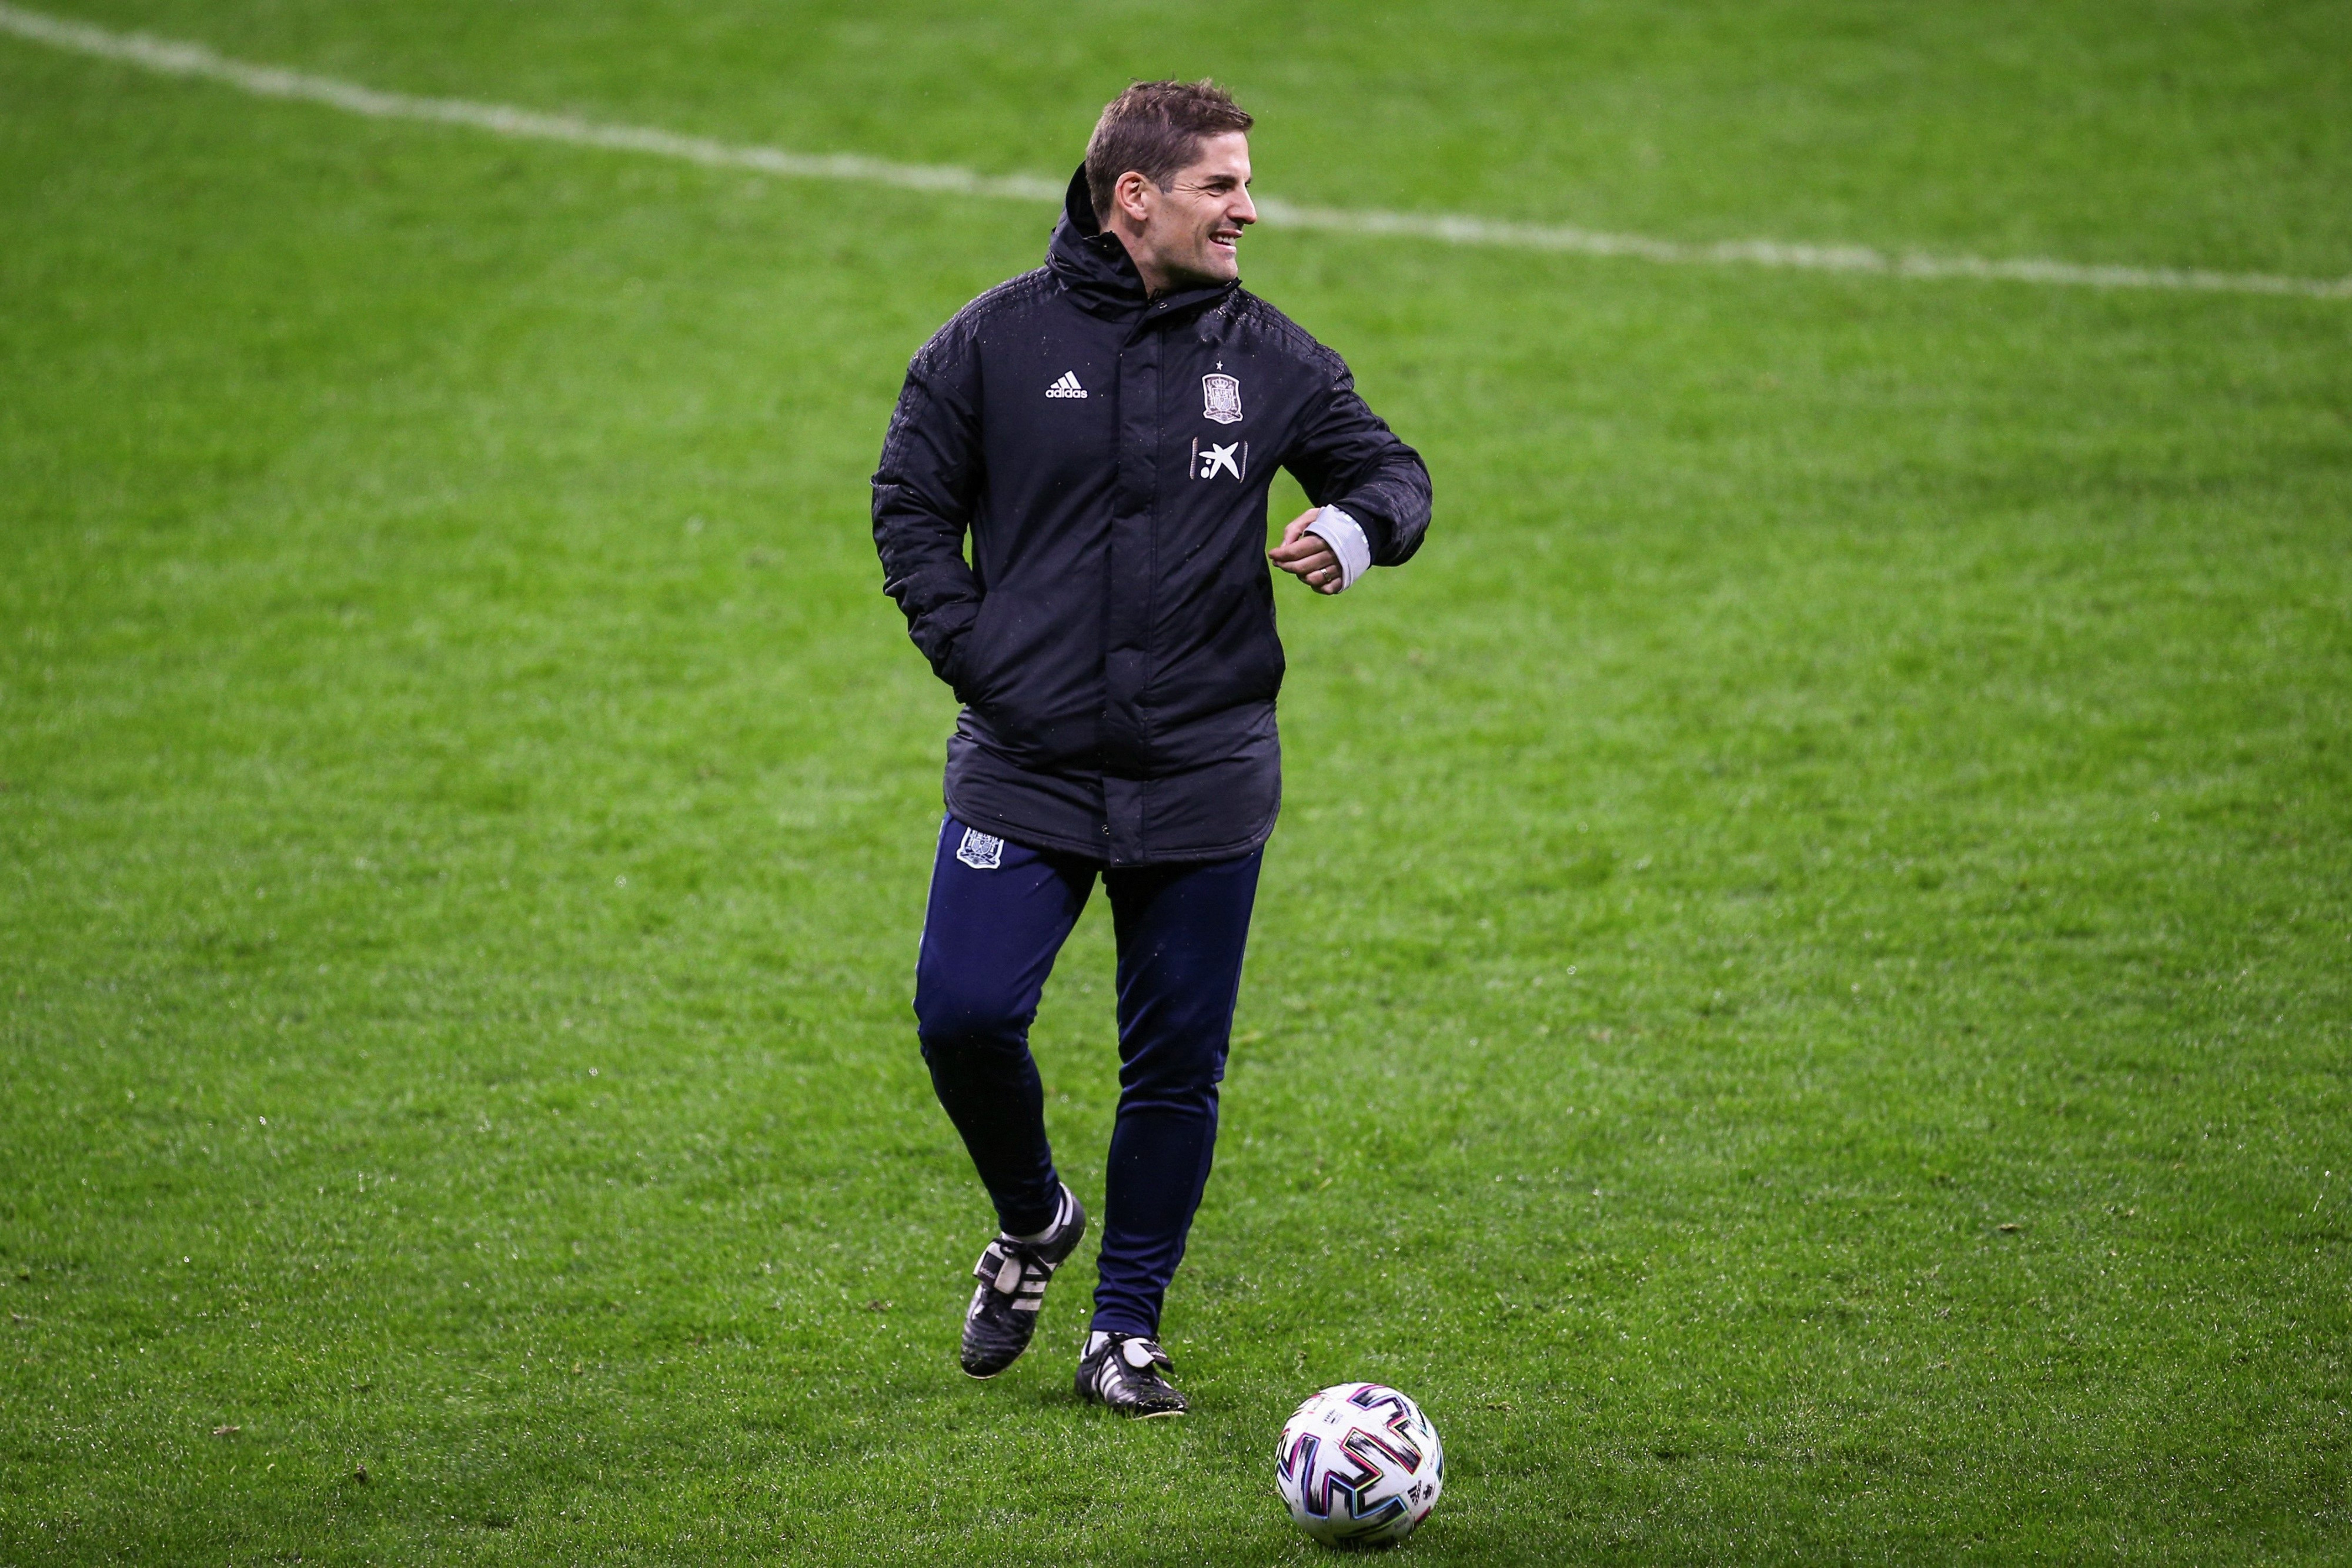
<point>924,495</point>
<point>1347,457</point>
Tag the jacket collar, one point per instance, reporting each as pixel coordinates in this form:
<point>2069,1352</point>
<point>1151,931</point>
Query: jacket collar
<point>1099,275</point>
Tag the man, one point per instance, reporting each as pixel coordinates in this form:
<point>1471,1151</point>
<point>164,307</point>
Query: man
<point>1104,428</point>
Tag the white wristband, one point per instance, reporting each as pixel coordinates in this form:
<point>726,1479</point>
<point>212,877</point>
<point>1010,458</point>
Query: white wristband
<point>1346,538</point>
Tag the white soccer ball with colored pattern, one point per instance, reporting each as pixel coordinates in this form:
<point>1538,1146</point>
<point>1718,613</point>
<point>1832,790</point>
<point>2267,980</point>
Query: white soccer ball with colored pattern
<point>1360,1465</point>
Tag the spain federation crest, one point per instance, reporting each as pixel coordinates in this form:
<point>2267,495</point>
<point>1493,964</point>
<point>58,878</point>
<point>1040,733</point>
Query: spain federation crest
<point>981,851</point>
<point>1221,399</point>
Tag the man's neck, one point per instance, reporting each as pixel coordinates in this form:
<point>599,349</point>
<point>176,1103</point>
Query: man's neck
<point>1156,282</point>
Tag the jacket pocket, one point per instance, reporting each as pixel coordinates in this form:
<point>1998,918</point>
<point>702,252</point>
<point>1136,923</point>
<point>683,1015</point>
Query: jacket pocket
<point>971,667</point>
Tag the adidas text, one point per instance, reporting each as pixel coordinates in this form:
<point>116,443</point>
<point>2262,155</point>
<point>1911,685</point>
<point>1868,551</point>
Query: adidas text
<point>1067,387</point>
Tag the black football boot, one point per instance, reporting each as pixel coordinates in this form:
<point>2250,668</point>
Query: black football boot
<point>1012,1277</point>
<point>1123,1371</point>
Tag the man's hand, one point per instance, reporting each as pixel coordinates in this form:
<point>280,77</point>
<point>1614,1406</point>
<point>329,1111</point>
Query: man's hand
<point>1306,557</point>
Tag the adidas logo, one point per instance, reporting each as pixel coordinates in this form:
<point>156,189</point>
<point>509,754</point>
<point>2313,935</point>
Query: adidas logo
<point>1067,387</point>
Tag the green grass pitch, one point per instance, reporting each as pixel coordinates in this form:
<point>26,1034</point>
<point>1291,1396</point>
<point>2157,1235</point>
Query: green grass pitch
<point>1800,1003</point>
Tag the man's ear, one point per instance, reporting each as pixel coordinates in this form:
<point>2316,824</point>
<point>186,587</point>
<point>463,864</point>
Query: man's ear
<point>1128,195</point>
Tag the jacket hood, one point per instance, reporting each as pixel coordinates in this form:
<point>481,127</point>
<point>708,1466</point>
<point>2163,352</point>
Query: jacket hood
<point>1099,275</point>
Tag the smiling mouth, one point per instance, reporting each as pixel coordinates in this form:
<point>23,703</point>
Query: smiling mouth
<point>1226,239</point>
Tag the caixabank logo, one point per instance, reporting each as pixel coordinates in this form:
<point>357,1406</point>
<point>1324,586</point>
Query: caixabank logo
<point>1212,458</point>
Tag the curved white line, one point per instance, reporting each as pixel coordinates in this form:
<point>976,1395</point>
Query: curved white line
<point>171,58</point>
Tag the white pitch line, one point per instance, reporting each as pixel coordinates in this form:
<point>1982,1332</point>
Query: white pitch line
<point>183,60</point>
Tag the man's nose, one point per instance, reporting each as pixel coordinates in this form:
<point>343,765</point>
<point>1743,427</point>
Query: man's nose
<point>1244,214</point>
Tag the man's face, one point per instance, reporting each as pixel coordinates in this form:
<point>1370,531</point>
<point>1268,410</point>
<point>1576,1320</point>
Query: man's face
<point>1192,231</point>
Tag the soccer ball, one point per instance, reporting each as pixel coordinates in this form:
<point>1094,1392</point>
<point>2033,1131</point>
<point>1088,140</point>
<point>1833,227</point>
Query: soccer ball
<point>1360,1465</point>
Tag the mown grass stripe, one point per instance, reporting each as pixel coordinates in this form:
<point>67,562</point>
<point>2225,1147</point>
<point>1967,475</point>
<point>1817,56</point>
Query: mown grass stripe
<point>173,58</point>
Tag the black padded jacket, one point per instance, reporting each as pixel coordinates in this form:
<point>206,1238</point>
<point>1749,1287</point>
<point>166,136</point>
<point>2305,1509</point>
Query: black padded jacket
<point>1112,636</point>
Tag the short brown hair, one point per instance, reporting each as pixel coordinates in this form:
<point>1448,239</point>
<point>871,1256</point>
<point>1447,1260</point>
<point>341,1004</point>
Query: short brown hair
<point>1156,128</point>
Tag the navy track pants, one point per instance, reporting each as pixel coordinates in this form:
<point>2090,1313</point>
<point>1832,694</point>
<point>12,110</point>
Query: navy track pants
<point>998,914</point>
